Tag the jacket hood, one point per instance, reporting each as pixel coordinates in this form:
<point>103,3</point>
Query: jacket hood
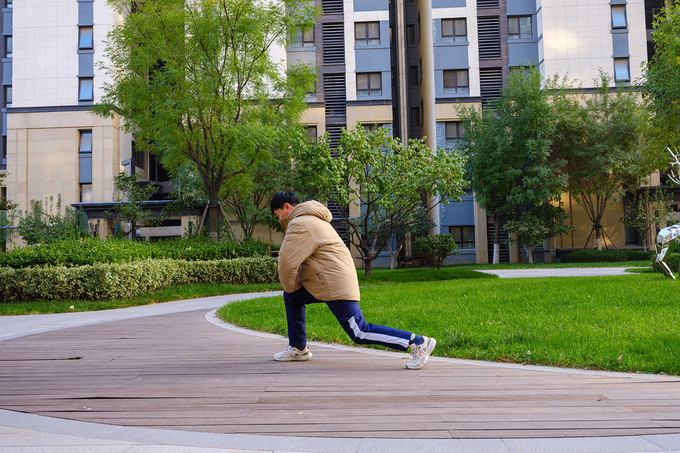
<point>313,208</point>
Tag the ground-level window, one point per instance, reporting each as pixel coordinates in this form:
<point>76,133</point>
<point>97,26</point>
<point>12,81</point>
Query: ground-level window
<point>464,236</point>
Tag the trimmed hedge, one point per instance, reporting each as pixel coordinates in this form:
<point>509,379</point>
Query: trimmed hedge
<point>604,256</point>
<point>75,252</point>
<point>123,280</point>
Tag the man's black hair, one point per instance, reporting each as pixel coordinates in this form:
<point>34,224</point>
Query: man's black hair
<point>281,199</point>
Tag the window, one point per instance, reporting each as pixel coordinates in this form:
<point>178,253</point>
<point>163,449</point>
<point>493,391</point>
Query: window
<point>619,16</point>
<point>303,38</point>
<point>85,89</point>
<point>8,95</point>
<point>369,84</point>
<point>85,166</point>
<point>621,70</point>
<point>519,27</point>
<point>464,236</point>
<point>454,132</point>
<point>311,133</point>
<point>8,3</point>
<point>454,30</point>
<point>413,76</point>
<point>367,33</point>
<point>86,193</point>
<point>456,81</point>
<point>410,35</point>
<point>85,37</point>
<point>8,46</point>
<point>415,117</point>
<point>369,127</point>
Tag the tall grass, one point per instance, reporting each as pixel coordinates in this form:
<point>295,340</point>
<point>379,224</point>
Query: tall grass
<point>623,323</point>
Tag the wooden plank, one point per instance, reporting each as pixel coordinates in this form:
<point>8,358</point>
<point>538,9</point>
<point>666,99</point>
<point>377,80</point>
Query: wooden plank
<point>180,372</point>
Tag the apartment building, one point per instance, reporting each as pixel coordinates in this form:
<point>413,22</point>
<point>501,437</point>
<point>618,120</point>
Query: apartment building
<point>405,64</point>
<point>411,64</point>
<point>52,145</point>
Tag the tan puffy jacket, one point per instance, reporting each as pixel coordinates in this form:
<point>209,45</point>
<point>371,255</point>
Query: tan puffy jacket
<point>312,254</point>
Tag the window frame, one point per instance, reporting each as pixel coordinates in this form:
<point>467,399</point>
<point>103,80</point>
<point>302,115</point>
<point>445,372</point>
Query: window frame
<point>614,17</point>
<point>85,155</point>
<point>7,93</point>
<point>370,90</point>
<point>468,244</point>
<point>455,36</point>
<point>82,81</point>
<point>453,141</point>
<point>367,27</point>
<point>518,34</point>
<point>82,44</point>
<point>621,61</point>
<point>302,38</point>
<point>456,88</point>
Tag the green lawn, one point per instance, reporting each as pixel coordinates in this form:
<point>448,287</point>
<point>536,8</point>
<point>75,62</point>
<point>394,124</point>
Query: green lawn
<point>624,323</point>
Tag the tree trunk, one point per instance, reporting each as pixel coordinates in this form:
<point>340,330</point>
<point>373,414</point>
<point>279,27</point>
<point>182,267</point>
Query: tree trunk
<point>530,254</point>
<point>496,239</point>
<point>214,215</point>
<point>368,267</point>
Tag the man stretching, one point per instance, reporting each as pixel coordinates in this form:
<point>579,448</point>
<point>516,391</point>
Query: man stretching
<point>316,266</point>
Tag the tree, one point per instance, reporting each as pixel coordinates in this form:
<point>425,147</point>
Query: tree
<point>510,163</point>
<point>46,223</point>
<point>436,248</point>
<point>249,201</point>
<point>386,179</point>
<point>599,138</point>
<point>5,205</point>
<point>648,209</point>
<point>660,80</point>
<point>195,82</point>
<point>132,209</point>
<point>532,227</point>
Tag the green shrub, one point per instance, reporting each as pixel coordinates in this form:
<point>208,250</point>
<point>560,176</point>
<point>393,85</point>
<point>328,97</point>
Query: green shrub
<point>435,248</point>
<point>78,252</point>
<point>123,280</point>
<point>672,260</point>
<point>604,256</point>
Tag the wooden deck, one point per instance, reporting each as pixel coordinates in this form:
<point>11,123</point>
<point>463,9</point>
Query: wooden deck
<point>181,372</point>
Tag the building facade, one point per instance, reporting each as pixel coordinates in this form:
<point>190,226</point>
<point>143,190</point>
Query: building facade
<point>411,65</point>
<point>405,64</point>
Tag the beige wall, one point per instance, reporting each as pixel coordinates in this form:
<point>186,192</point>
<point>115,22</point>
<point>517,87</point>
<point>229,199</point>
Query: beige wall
<point>42,155</point>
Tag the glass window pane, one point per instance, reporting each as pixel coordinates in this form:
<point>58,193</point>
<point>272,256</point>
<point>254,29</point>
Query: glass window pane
<point>461,27</point>
<point>619,16</point>
<point>451,130</point>
<point>85,142</point>
<point>447,27</point>
<point>621,71</point>
<point>462,78</point>
<point>308,36</point>
<point>86,193</point>
<point>375,81</point>
<point>449,79</point>
<point>86,89</point>
<point>513,26</point>
<point>360,31</point>
<point>85,40</point>
<point>8,95</point>
<point>525,27</point>
<point>374,30</point>
<point>362,81</point>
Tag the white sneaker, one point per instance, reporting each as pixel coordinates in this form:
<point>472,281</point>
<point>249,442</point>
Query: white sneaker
<point>420,353</point>
<point>291,354</point>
